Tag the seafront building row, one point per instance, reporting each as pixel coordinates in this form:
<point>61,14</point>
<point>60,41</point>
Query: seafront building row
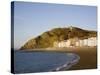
<point>76,42</point>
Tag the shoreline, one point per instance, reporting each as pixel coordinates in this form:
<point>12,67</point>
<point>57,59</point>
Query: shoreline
<point>88,56</point>
<point>67,66</point>
<point>66,49</point>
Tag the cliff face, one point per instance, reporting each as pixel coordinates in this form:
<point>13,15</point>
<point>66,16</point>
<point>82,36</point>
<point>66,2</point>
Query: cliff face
<point>57,34</point>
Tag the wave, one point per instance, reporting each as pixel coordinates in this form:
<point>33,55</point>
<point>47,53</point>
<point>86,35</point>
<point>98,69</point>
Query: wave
<point>69,64</point>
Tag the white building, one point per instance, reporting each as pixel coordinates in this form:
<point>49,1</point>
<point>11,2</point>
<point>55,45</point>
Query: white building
<point>75,42</point>
<point>92,41</point>
<point>85,41</point>
<point>64,43</point>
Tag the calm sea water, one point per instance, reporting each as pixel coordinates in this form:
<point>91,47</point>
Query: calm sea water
<point>29,62</point>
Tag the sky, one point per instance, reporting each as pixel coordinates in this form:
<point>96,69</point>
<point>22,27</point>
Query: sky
<point>32,19</point>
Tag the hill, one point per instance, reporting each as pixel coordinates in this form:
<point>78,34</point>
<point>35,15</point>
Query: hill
<point>47,39</point>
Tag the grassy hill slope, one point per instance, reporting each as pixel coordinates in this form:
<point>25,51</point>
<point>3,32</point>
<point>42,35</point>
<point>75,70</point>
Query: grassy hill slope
<point>47,39</point>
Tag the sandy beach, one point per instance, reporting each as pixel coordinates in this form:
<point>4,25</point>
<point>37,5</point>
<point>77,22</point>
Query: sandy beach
<point>88,57</point>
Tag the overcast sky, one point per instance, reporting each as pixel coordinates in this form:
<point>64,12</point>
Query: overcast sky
<point>32,19</point>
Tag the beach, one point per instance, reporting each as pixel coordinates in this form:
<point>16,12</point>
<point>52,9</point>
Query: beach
<point>88,57</point>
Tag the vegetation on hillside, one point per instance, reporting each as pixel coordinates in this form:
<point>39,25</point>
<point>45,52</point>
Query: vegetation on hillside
<point>47,39</point>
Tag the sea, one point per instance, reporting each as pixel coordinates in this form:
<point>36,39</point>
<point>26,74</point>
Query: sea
<point>31,62</point>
